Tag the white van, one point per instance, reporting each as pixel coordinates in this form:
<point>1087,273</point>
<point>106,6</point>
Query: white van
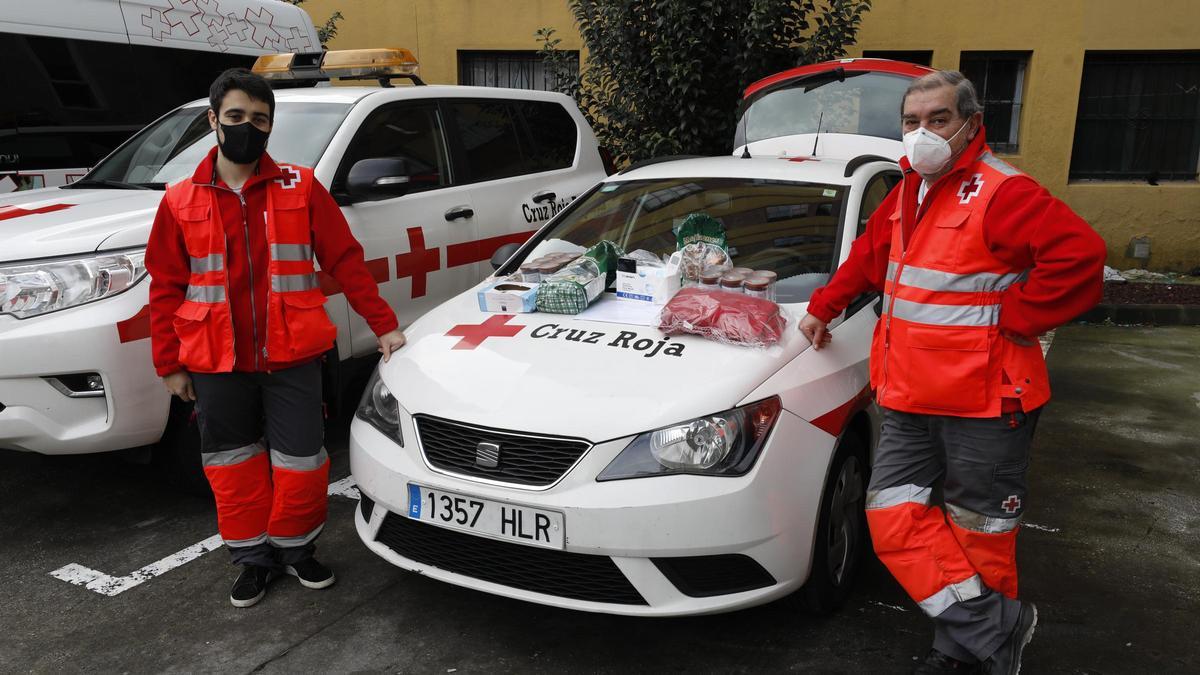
<point>81,76</point>
<point>435,181</point>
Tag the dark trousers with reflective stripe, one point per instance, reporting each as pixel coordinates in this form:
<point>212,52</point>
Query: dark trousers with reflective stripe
<point>271,504</point>
<point>959,565</point>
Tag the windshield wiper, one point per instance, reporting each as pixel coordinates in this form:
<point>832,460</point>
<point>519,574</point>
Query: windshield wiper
<point>116,184</point>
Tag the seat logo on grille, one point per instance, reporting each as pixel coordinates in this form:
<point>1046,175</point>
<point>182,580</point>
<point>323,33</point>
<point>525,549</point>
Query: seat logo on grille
<point>487,455</point>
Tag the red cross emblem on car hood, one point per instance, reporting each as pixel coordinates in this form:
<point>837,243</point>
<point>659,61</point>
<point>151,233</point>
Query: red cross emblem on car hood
<point>473,335</point>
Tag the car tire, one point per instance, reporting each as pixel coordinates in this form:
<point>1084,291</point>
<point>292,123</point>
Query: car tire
<point>177,454</point>
<point>842,538</point>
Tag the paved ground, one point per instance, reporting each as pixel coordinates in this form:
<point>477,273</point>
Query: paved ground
<point>1112,555</point>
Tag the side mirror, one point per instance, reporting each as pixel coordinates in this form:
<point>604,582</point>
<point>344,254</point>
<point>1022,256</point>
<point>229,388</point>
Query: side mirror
<point>387,177</point>
<point>503,253</point>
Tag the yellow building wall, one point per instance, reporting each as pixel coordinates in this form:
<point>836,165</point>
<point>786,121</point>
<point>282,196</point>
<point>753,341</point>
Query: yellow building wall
<point>1056,32</point>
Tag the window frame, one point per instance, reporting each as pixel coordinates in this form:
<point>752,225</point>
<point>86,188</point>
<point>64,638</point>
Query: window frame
<point>531,56</point>
<point>1016,102</point>
<point>337,186</point>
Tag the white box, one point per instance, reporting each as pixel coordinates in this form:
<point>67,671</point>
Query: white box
<point>640,282</point>
<point>508,296</point>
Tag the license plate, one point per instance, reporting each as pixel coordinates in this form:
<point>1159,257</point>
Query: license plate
<point>484,517</point>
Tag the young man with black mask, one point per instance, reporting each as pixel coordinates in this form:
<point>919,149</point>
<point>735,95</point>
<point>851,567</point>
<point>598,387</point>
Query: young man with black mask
<point>238,326</point>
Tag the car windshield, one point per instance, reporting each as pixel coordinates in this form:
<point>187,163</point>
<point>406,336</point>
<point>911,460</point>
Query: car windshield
<point>171,148</point>
<point>863,103</point>
<point>786,227</point>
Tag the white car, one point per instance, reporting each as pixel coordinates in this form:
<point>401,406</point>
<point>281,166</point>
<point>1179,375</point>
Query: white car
<point>570,461</point>
<point>432,179</point>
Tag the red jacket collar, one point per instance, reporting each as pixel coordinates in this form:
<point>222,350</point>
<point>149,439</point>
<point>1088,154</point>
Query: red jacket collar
<point>206,172</point>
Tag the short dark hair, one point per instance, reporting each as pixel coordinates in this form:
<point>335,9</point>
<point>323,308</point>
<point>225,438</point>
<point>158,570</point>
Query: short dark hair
<point>966,100</point>
<point>241,79</point>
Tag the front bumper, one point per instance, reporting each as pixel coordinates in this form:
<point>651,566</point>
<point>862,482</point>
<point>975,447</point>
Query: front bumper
<point>36,417</point>
<point>769,516</point>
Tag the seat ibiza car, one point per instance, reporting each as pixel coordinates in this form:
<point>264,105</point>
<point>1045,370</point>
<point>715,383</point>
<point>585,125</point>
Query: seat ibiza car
<point>592,461</point>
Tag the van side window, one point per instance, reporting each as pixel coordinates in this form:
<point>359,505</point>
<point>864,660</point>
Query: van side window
<point>877,190</point>
<point>411,131</point>
<point>553,134</point>
<point>490,140</point>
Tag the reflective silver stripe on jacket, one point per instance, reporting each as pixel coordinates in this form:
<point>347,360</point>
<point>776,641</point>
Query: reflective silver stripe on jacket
<point>978,522</point>
<point>214,262</point>
<point>939,602</point>
<point>243,543</point>
<point>946,315</point>
<point>302,540</point>
<point>891,270</point>
<point>311,463</point>
<point>231,457</point>
<point>998,164</point>
<point>895,496</point>
<point>291,252</point>
<point>937,280</point>
<point>286,283</point>
<point>206,293</point>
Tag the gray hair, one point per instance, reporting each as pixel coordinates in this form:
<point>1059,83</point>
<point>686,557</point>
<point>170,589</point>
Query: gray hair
<point>967,99</point>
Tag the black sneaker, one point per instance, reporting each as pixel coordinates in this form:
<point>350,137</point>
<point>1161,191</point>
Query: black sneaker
<point>1007,659</point>
<point>311,573</point>
<point>251,585</point>
<point>936,662</point>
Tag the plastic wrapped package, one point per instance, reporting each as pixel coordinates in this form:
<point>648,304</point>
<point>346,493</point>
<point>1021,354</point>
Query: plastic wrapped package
<point>571,289</point>
<point>700,256</point>
<point>732,318</point>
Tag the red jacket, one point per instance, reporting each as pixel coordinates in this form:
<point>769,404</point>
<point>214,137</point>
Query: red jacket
<point>336,250</point>
<point>1025,226</point>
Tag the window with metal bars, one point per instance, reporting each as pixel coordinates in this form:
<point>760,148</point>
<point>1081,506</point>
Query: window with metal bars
<point>512,69</point>
<point>1139,117</point>
<point>999,79</point>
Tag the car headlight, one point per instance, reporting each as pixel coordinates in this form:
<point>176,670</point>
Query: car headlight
<point>380,409</point>
<point>39,288</point>
<point>725,444</point>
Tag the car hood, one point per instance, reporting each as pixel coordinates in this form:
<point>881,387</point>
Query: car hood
<point>57,222</point>
<point>558,375</point>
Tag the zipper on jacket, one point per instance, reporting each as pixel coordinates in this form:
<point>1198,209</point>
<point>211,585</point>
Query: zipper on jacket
<point>249,268</point>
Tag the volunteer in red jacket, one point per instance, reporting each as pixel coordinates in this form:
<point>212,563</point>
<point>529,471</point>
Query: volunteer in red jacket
<point>975,260</point>
<point>238,326</point>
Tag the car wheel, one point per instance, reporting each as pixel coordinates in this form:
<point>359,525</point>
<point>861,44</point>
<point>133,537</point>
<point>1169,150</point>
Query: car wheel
<point>842,530</point>
<point>177,454</point>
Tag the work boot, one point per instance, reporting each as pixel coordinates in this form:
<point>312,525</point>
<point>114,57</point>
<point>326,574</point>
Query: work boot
<point>1007,659</point>
<point>936,662</point>
<point>251,585</point>
<point>311,573</point>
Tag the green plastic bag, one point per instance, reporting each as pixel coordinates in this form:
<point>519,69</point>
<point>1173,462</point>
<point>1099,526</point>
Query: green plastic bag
<point>700,228</point>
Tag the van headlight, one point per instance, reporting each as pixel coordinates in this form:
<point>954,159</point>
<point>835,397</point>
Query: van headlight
<point>380,409</point>
<point>725,444</point>
<point>31,289</point>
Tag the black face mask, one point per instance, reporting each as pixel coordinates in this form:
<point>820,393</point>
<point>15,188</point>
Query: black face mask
<point>244,143</point>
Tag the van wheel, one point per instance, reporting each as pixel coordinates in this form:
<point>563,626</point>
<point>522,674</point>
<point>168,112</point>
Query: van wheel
<point>177,454</point>
<point>842,531</point>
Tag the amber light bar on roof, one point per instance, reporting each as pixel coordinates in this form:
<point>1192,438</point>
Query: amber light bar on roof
<point>347,63</point>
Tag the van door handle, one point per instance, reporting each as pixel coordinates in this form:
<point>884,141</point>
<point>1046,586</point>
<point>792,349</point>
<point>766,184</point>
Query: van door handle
<point>541,197</point>
<point>456,212</point>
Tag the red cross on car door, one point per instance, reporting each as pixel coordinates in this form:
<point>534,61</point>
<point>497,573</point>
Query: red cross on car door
<point>412,232</point>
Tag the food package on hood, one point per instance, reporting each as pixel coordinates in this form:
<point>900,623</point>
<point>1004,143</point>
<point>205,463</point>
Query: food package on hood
<point>571,289</point>
<point>644,277</point>
<point>700,228</point>
<point>698,257</point>
<point>508,295</point>
<point>732,318</point>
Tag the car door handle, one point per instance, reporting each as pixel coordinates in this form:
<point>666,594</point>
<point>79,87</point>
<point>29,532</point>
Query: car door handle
<point>546,196</point>
<point>456,212</point>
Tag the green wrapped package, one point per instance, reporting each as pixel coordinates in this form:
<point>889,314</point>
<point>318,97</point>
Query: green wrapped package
<point>700,228</point>
<point>571,289</point>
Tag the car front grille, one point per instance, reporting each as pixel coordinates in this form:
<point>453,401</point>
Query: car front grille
<point>578,576</point>
<point>523,459</point>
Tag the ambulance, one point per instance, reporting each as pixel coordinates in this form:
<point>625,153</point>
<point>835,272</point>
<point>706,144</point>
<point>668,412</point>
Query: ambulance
<point>82,76</point>
<point>432,179</point>
<point>595,462</point>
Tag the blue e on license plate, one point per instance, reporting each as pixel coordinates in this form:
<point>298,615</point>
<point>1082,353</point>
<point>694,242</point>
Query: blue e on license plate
<point>485,517</point>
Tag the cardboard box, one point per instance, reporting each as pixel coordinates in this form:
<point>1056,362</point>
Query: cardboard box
<point>508,296</point>
<point>646,283</point>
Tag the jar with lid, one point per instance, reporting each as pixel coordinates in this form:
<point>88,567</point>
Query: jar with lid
<point>771,278</point>
<point>744,271</point>
<point>756,287</point>
<point>710,278</point>
<point>531,272</point>
<point>732,282</point>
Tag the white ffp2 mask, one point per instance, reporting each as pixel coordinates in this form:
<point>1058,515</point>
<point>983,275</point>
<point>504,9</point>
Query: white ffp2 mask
<point>927,152</point>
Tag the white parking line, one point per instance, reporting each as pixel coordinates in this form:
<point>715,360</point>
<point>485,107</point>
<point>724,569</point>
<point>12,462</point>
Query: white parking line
<point>106,584</point>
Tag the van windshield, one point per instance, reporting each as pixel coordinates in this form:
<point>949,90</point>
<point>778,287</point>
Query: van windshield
<point>785,227</point>
<point>171,148</point>
<point>862,103</point>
